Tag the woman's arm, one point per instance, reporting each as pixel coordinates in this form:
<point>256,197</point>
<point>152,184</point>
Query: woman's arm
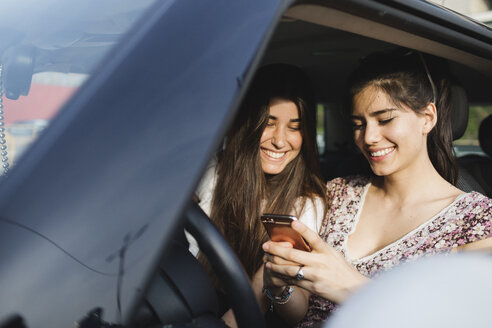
<point>326,272</point>
<point>484,245</point>
<point>292,311</point>
<point>292,308</point>
<point>295,308</point>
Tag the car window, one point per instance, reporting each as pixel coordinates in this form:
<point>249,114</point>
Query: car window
<point>469,143</point>
<point>476,9</point>
<point>43,64</point>
<point>331,129</point>
<point>25,118</point>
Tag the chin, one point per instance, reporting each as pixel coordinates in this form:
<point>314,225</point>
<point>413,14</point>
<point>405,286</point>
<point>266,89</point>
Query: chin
<point>381,171</point>
<point>272,170</point>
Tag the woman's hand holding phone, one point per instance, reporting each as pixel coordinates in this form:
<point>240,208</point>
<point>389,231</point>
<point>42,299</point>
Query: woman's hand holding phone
<point>281,234</point>
<point>278,227</point>
<point>325,271</point>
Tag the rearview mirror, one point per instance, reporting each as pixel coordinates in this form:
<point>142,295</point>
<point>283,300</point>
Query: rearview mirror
<point>18,66</point>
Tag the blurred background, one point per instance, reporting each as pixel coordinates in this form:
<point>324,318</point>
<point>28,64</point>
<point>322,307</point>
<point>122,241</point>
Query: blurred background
<point>480,11</point>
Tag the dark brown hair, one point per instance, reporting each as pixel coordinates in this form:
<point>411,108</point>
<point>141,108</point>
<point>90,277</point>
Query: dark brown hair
<point>415,80</point>
<point>243,191</point>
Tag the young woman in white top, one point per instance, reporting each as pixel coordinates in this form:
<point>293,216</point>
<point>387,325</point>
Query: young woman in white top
<point>269,164</point>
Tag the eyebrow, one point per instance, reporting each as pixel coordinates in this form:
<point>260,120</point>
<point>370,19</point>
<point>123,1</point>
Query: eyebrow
<point>294,120</point>
<point>376,113</point>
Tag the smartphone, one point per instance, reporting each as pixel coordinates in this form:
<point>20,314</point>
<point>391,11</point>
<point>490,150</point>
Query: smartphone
<point>279,229</point>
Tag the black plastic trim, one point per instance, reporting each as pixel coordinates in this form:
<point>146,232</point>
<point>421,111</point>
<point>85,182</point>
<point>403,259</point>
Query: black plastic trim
<point>422,19</point>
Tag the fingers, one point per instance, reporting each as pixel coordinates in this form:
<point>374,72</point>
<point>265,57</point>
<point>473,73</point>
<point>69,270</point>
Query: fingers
<point>273,279</point>
<point>288,275</point>
<point>288,271</point>
<point>268,257</point>
<point>283,244</point>
<point>278,260</point>
<point>309,235</point>
<point>276,281</point>
<point>284,255</point>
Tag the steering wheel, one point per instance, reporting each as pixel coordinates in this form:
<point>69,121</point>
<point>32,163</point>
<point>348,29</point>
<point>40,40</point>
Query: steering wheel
<point>226,265</point>
<point>181,292</point>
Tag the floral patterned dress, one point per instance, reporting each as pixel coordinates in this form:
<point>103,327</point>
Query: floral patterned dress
<point>466,220</point>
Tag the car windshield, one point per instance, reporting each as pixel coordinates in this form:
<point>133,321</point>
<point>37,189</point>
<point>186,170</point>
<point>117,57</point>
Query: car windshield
<point>48,50</point>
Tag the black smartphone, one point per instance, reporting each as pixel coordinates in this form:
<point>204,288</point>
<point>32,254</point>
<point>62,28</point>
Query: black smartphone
<point>279,229</point>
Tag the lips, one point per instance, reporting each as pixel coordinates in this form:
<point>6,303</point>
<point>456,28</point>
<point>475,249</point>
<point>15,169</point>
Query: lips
<point>380,153</point>
<point>273,154</point>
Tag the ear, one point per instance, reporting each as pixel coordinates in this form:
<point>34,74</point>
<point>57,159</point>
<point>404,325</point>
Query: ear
<point>430,118</point>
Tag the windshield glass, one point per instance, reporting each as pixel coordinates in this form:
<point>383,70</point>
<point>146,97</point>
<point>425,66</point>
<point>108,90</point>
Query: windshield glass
<point>48,49</point>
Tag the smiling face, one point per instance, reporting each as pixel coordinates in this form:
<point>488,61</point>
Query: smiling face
<point>391,137</point>
<point>281,140</point>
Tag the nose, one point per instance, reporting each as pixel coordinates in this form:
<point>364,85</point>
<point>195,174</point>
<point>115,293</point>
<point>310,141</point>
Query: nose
<point>279,138</point>
<point>371,134</point>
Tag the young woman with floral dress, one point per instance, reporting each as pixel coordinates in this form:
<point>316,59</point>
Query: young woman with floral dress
<point>399,108</point>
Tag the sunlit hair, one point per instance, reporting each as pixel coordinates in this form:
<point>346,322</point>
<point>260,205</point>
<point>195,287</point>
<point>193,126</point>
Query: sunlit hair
<point>243,191</point>
<point>414,80</point>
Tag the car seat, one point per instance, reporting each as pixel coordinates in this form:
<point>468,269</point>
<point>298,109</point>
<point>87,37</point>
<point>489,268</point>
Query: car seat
<point>341,156</point>
<point>480,166</point>
<point>459,121</point>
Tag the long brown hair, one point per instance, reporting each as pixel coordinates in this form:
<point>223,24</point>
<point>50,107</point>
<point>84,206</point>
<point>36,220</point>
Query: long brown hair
<point>243,191</point>
<point>415,80</point>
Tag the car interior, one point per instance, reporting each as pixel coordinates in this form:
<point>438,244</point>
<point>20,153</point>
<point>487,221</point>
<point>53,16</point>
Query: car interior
<point>327,44</point>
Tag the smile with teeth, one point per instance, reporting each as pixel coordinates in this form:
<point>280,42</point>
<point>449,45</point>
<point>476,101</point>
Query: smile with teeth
<point>382,152</point>
<point>273,154</point>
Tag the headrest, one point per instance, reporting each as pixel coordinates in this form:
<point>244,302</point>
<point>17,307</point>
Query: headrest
<point>485,135</point>
<point>459,111</point>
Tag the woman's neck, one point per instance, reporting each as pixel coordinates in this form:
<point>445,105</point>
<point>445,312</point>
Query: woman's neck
<point>413,183</point>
